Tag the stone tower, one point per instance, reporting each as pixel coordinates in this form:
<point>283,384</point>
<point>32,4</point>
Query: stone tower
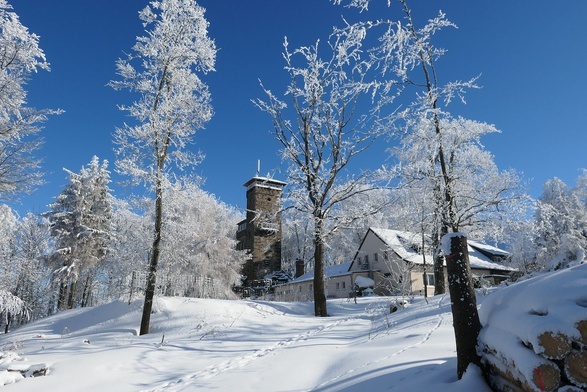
<point>260,232</point>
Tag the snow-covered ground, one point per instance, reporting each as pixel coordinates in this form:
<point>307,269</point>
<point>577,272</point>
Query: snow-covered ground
<point>198,344</point>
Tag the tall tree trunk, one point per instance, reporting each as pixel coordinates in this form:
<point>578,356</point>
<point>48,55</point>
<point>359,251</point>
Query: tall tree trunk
<point>439,276</point>
<point>8,321</point>
<point>86,292</point>
<point>152,273</point>
<point>463,304</point>
<point>319,292</point>
<point>62,302</point>
<point>71,299</point>
<point>424,262</point>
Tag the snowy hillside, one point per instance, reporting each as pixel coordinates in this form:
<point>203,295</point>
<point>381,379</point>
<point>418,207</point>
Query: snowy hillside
<point>220,345</point>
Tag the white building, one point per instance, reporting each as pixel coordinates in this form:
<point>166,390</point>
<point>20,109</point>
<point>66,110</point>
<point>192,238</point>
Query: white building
<point>397,263</point>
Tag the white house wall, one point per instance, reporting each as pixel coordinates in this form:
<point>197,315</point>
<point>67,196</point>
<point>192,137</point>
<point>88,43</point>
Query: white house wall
<point>379,269</point>
<point>381,259</point>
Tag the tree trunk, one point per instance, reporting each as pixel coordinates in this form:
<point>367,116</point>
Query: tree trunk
<point>439,277</point>
<point>86,292</point>
<point>71,299</point>
<point>151,275</point>
<point>319,292</point>
<point>463,303</point>
<point>8,321</point>
<point>62,302</point>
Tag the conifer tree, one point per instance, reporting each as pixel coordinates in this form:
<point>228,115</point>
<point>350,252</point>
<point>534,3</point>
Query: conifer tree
<point>80,225</point>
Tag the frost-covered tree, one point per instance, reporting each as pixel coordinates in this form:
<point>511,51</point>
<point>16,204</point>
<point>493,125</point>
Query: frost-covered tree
<point>440,149</point>
<point>24,244</point>
<point>8,226</point>
<point>560,224</point>
<point>20,56</point>
<point>374,208</point>
<point>29,273</point>
<point>321,134</point>
<point>486,200</point>
<point>357,214</point>
<point>130,245</point>
<point>173,103</point>
<point>406,55</point>
<point>441,154</point>
<point>80,220</point>
<point>199,257</point>
<point>10,305</point>
<point>296,240</point>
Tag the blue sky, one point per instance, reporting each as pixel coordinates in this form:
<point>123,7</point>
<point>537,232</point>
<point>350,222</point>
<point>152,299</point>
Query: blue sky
<point>530,54</point>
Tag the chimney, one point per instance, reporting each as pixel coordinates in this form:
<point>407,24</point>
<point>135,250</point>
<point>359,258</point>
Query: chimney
<point>299,268</point>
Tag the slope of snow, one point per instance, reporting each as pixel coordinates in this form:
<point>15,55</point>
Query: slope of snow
<point>198,344</point>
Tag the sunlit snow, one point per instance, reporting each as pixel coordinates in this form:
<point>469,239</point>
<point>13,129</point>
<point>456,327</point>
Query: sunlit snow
<point>245,345</point>
<point>205,344</point>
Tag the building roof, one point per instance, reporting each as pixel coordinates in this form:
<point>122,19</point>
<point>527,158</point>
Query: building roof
<point>265,182</point>
<point>329,272</point>
<point>407,245</point>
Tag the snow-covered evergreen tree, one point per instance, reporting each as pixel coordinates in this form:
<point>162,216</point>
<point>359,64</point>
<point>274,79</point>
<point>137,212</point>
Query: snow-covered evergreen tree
<point>81,227</point>
<point>173,103</point>
<point>20,57</point>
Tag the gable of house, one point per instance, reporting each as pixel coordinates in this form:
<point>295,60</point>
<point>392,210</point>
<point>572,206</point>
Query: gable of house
<point>401,250</point>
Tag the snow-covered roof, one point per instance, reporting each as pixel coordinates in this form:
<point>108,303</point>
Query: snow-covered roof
<point>265,182</point>
<point>488,248</point>
<point>407,245</point>
<point>363,281</point>
<point>329,272</point>
<point>480,261</point>
<point>404,243</point>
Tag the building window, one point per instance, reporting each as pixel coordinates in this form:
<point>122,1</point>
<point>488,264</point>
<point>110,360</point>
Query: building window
<point>343,285</point>
<point>375,257</point>
<point>337,286</point>
<point>430,279</point>
<point>365,263</point>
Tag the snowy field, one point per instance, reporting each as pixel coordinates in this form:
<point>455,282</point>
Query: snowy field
<point>198,344</point>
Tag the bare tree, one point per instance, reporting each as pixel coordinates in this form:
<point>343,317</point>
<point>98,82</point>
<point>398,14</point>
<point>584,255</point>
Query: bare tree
<point>173,103</point>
